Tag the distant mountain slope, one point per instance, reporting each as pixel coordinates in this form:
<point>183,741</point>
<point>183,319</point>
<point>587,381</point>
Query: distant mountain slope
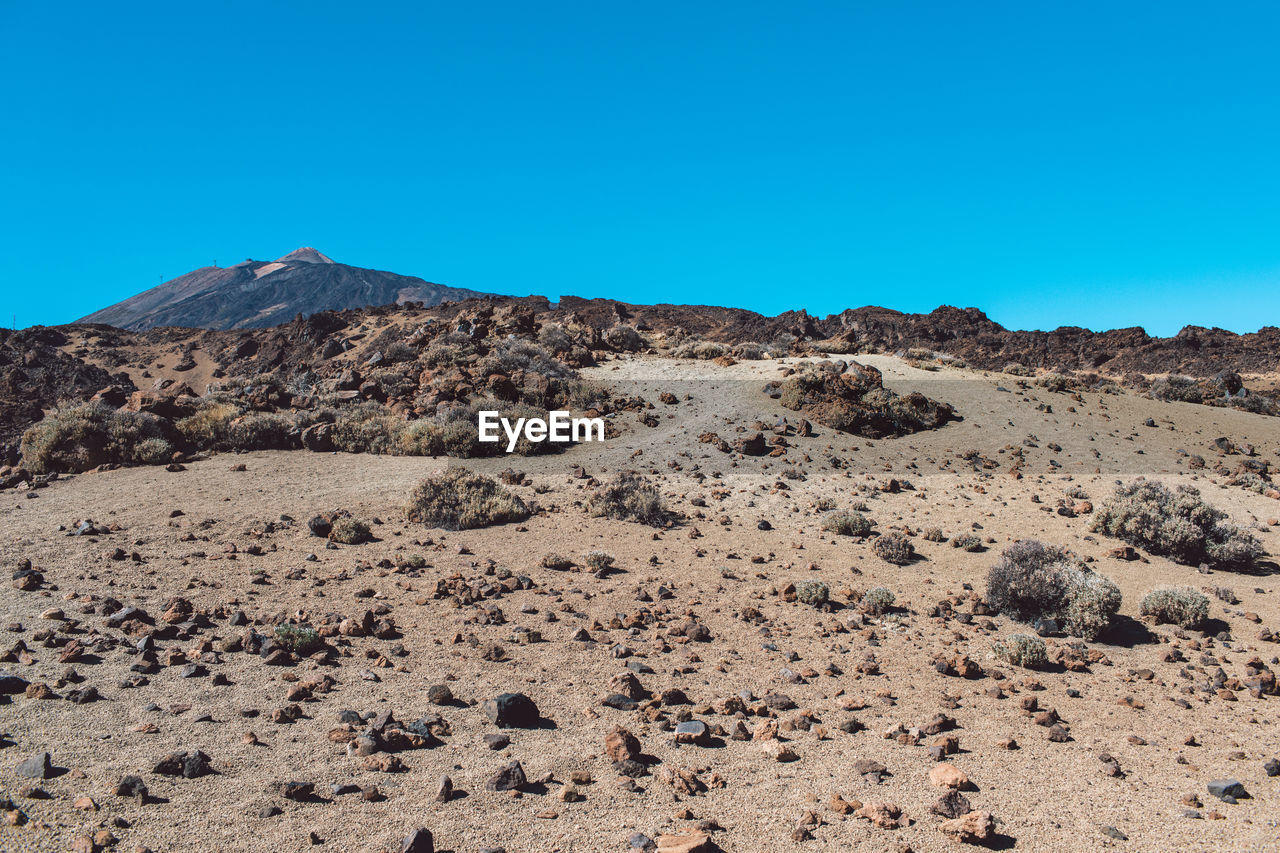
<point>258,294</point>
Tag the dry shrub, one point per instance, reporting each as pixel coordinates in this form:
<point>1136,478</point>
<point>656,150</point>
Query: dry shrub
<point>459,499</point>
<point>894,548</point>
<point>1183,607</point>
<point>1032,580</point>
<point>79,437</point>
<point>629,497</point>
<point>1176,524</point>
<point>847,524</point>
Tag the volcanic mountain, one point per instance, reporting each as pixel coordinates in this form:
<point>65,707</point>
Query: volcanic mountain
<point>258,294</point>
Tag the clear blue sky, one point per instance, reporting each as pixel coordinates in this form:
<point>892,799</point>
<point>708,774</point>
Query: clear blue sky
<point>1095,164</point>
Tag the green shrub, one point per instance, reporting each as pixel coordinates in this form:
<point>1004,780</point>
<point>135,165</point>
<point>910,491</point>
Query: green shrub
<point>1182,606</point>
<point>458,499</point>
<point>1032,580</point>
<point>299,639</point>
<point>1176,524</point>
<point>812,593</point>
<point>894,548</point>
<point>1022,650</point>
<point>628,497</point>
<point>350,531</point>
<point>847,524</point>
<point>877,600</point>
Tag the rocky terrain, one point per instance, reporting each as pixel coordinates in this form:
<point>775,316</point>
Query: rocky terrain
<point>730,626</point>
<point>258,294</point>
<point>875,581</point>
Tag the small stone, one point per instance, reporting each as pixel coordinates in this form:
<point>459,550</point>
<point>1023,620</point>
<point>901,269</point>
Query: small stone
<point>36,767</point>
<point>947,775</point>
<point>1228,790</point>
<point>512,710</point>
<point>510,777</point>
<point>418,841</point>
<point>444,791</point>
<point>972,828</point>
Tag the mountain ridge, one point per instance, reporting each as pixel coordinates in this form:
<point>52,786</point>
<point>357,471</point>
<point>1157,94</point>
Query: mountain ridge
<point>259,294</point>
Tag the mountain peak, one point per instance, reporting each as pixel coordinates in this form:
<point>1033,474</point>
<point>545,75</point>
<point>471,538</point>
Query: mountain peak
<point>306,255</point>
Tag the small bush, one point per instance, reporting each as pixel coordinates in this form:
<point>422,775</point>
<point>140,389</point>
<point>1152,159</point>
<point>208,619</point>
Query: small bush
<point>894,548</point>
<point>458,499</point>
<point>877,600</point>
<point>555,561</point>
<point>79,437</point>
<point>598,561</point>
<point>1015,369</point>
<point>1176,524</point>
<point>1180,389</point>
<point>350,531</point>
<point>1055,382</point>
<point>208,427</point>
<point>750,351</point>
<point>933,534</point>
<point>367,428</point>
<point>705,350</point>
<point>969,543</point>
<point>847,524</point>
<point>1183,607</point>
<point>623,337</point>
<point>1032,580</point>
<point>513,354</point>
<point>812,593</point>
<point>261,431</point>
<point>299,639</point>
<point>1022,650</point>
<point>629,497</point>
<point>153,451</point>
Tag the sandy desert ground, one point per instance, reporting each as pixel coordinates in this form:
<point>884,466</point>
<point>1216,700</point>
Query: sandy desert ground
<point>236,541</point>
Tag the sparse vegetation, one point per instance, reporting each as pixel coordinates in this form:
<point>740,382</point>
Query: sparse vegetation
<point>556,562</point>
<point>299,639</point>
<point>623,337</point>
<point>812,593</point>
<point>847,524</point>
<point>1032,581</point>
<point>877,600</point>
<point>1177,524</point>
<point>598,561</point>
<point>967,542</point>
<point>80,437</point>
<point>933,534</point>
<point>893,547</point>
<point>629,497</point>
<point>1024,650</point>
<point>1181,606</point>
<point>350,531</point>
<point>459,499</point>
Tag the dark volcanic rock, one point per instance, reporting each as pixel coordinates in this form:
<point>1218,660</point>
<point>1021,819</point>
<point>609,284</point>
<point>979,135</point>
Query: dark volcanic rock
<point>512,711</point>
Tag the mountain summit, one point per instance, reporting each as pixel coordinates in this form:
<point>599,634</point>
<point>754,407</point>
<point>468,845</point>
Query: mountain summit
<point>256,294</point>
